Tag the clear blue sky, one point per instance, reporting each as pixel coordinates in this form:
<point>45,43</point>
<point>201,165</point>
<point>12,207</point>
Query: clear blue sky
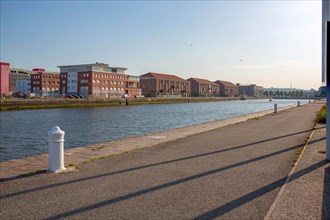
<point>278,41</point>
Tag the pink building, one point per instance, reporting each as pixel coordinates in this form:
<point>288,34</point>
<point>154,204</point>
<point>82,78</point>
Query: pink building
<point>4,79</point>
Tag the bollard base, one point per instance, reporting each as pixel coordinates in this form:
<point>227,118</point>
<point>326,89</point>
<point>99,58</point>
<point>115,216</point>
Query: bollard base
<point>57,171</point>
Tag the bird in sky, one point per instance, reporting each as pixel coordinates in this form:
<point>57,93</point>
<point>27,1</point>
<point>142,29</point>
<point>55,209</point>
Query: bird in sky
<point>241,60</point>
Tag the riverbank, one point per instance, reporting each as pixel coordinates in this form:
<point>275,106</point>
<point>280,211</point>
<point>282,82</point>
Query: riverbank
<point>47,103</point>
<point>76,156</point>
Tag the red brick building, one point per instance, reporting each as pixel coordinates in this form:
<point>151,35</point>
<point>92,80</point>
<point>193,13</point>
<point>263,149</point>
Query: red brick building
<point>4,78</point>
<point>158,84</point>
<point>97,80</point>
<point>227,89</point>
<point>45,83</point>
<point>133,86</point>
<point>203,87</point>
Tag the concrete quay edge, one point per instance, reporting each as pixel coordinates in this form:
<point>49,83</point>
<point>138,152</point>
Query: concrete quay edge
<point>17,168</point>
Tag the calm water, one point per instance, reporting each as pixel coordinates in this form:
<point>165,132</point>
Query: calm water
<point>24,133</point>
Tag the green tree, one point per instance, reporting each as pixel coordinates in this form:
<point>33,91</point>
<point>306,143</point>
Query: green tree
<point>277,93</point>
<point>266,93</point>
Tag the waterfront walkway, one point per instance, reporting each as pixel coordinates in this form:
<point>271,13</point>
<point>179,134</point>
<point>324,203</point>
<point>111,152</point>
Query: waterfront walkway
<point>232,172</point>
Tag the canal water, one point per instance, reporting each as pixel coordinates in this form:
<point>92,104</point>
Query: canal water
<point>24,133</point>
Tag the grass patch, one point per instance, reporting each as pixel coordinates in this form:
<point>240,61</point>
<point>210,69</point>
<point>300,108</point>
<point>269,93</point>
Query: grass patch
<point>110,155</point>
<point>300,151</point>
<point>50,106</point>
<point>307,139</point>
<point>76,166</point>
<point>99,158</point>
<point>112,103</point>
<point>255,118</point>
<point>322,115</point>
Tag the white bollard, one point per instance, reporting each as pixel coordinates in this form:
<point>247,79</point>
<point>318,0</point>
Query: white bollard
<point>275,108</point>
<point>298,103</point>
<point>56,150</point>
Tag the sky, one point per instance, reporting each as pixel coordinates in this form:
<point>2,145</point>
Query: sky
<point>268,43</point>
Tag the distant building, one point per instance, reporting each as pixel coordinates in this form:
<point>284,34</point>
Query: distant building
<point>251,90</point>
<point>23,86</point>
<point>227,89</point>
<point>97,80</point>
<point>45,83</point>
<point>133,86</point>
<point>38,81</point>
<point>4,78</point>
<point>203,87</point>
<point>18,78</point>
<point>158,84</point>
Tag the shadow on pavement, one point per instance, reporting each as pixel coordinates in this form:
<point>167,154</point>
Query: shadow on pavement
<point>326,195</point>
<point>151,165</point>
<point>250,196</point>
<point>216,212</point>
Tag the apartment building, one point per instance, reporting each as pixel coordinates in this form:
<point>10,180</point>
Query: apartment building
<point>251,90</point>
<point>24,85</point>
<point>133,86</point>
<point>159,84</point>
<point>4,78</point>
<point>203,87</point>
<point>227,89</point>
<point>97,80</point>
<point>19,81</point>
<point>45,83</point>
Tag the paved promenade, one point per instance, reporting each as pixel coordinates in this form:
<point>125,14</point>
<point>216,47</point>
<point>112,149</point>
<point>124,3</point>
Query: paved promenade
<point>307,194</point>
<point>232,172</point>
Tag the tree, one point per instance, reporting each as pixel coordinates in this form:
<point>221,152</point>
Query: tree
<point>281,93</point>
<point>266,93</point>
<point>277,93</point>
<point>301,93</point>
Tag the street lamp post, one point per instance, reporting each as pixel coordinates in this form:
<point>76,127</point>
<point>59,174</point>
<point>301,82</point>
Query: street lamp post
<point>325,46</point>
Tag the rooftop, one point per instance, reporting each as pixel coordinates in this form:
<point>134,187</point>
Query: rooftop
<point>198,80</point>
<point>162,76</point>
<point>29,71</point>
<point>97,64</point>
<point>225,83</point>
